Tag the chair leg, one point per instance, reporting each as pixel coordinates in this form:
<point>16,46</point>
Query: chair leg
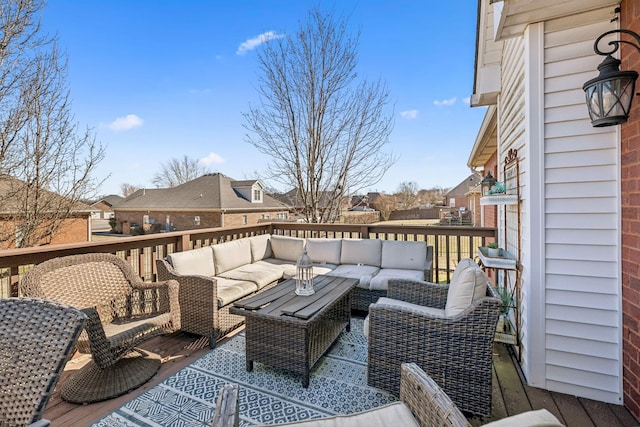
<point>213,339</point>
<point>92,384</point>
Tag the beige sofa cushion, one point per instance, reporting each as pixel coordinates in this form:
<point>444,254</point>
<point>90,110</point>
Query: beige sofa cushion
<point>361,251</point>
<point>539,418</point>
<point>260,273</point>
<point>288,267</point>
<point>260,247</point>
<point>393,414</point>
<point>197,262</point>
<point>468,283</point>
<point>286,248</point>
<point>362,272</point>
<point>324,251</point>
<point>319,269</point>
<point>380,282</point>
<point>230,290</point>
<point>230,255</point>
<point>404,255</point>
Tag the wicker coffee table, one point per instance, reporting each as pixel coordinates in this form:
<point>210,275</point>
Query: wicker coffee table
<point>292,332</point>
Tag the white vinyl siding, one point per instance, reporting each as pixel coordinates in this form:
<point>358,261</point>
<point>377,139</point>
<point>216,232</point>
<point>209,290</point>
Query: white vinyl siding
<point>511,134</point>
<point>581,221</point>
<point>570,209</point>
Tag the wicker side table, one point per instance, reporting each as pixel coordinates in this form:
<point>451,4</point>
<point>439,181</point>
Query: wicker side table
<point>292,332</point>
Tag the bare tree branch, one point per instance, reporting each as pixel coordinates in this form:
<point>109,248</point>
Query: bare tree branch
<point>322,129</point>
<point>179,171</point>
<point>46,163</point>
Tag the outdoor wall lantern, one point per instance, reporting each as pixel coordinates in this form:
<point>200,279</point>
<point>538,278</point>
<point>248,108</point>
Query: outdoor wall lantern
<point>487,184</point>
<point>609,96</point>
<point>304,274</point>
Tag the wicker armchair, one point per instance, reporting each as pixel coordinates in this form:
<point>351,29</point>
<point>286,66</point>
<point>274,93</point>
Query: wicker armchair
<point>37,338</point>
<point>122,312</point>
<point>429,406</point>
<point>455,351</point>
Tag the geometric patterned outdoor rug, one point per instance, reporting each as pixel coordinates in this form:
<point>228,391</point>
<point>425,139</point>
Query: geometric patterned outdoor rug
<point>267,395</point>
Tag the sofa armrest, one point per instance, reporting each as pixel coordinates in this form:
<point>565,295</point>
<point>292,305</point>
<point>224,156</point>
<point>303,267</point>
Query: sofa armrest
<point>226,412</point>
<point>418,292</point>
<point>429,404</point>
<point>198,293</point>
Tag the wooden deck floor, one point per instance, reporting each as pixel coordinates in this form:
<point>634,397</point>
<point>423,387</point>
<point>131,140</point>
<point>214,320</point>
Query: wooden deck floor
<point>510,395</point>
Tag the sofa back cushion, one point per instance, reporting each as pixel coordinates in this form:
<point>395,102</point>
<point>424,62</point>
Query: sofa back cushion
<point>194,262</point>
<point>286,248</point>
<point>230,255</point>
<point>324,251</point>
<point>404,255</point>
<point>260,247</point>
<point>361,251</point>
<point>468,283</point>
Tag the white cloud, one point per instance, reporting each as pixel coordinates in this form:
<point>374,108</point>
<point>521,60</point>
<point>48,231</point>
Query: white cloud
<point>409,114</point>
<point>257,41</point>
<point>212,158</point>
<point>467,100</point>
<point>199,91</point>
<point>446,102</point>
<point>127,122</point>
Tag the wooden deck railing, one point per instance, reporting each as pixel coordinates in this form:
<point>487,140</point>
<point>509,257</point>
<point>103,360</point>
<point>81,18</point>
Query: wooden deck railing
<point>450,245</point>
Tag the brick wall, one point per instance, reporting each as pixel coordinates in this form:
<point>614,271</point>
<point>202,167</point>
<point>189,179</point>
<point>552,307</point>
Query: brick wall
<point>186,220</point>
<point>630,187</point>
<point>73,230</point>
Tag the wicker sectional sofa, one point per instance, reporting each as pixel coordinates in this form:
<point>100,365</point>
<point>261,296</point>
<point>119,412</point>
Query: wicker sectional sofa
<point>213,277</point>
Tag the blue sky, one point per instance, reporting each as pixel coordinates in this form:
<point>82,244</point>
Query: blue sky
<point>157,80</point>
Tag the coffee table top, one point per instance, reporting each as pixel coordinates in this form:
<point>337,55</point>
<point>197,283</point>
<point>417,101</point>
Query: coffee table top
<point>281,300</point>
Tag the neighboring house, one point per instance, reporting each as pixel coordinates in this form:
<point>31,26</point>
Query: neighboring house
<point>457,196</point>
<point>579,198</point>
<point>366,202</point>
<point>74,228</point>
<point>103,208</point>
<point>296,205</point>
<point>213,200</point>
<point>459,202</point>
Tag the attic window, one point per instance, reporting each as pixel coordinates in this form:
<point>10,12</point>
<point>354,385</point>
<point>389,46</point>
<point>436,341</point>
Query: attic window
<point>257,195</point>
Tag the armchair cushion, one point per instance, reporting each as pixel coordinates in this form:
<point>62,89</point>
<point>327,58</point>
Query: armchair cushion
<point>404,255</point>
<point>196,262</point>
<point>286,248</point>
<point>230,255</point>
<point>539,418</point>
<point>393,414</point>
<point>467,285</point>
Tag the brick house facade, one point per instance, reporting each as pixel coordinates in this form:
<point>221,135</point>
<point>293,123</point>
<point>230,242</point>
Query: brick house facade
<point>74,227</point>
<point>213,200</point>
<point>630,190</point>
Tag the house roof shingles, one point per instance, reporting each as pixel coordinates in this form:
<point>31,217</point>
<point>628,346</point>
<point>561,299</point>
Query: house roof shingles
<point>209,192</point>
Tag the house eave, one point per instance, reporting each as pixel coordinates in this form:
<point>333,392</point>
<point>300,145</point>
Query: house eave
<point>513,16</point>
<point>486,141</point>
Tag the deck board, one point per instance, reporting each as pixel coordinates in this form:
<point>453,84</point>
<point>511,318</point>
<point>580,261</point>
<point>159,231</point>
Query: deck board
<point>510,393</point>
